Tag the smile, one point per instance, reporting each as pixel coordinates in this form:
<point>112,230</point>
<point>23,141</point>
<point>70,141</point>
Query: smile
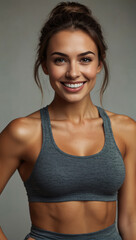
<point>73,85</point>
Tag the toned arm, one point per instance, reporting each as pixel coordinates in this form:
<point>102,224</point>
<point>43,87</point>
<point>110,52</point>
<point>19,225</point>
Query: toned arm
<point>12,145</point>
<point>127,193</point>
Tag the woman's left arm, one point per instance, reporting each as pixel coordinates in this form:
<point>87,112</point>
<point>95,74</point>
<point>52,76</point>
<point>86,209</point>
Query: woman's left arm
<point>127,193</point>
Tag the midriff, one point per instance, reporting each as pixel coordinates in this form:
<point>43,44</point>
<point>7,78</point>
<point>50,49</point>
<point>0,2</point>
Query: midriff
<point>73,217</point>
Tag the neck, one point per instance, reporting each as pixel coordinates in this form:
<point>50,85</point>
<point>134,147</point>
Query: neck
<point>73,111</point>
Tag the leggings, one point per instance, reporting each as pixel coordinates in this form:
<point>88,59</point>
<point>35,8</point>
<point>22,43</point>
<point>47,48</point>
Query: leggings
<point>109,233</point>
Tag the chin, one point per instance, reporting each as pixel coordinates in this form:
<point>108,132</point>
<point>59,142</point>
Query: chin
<point>73,100</point>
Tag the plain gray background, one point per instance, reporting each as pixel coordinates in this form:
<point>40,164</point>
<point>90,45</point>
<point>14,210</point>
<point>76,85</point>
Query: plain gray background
<point>20,24</point>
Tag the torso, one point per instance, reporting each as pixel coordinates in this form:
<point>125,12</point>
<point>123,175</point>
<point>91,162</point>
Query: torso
<point>76,216</point>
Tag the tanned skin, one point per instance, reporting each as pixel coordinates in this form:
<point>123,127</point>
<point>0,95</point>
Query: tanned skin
<point>75,119</point>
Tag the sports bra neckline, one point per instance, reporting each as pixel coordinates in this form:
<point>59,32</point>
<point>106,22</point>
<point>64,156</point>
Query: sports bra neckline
<point>103,115</point>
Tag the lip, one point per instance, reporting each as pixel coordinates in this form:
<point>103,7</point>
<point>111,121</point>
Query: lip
<point>73,90</point>
<point>74,82</point>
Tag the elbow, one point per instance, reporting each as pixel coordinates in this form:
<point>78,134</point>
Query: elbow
<point>127,228</point>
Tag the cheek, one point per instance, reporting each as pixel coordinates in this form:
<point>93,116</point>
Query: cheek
<point>56,72</point>
<point>91,72</point>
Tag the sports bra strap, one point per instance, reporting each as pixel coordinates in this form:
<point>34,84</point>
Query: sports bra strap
<point>106,120</point>
<point>45,125</point>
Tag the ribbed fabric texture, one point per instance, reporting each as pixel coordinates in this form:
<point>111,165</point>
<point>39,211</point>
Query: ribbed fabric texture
<point>58,176</point>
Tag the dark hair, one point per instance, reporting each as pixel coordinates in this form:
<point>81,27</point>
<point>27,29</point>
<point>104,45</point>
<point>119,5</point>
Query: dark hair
<point>73,15</point>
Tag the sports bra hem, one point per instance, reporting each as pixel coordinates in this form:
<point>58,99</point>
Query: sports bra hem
<point>72,200</point>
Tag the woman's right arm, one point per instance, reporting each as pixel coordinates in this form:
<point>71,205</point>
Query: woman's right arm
<point>12,144</point>
<point>2,235</point>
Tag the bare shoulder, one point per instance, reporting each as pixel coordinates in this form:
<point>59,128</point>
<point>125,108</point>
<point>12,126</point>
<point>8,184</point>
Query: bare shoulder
<point>22,128</point>
<point>124,125</point>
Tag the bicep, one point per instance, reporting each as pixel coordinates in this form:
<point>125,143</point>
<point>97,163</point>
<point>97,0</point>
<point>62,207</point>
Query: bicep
<point>127,193</point>
<point>10,149</point>
<point>6,171</point>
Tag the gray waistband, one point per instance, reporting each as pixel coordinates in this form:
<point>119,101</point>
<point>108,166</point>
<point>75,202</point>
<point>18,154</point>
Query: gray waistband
<point>109,233</point>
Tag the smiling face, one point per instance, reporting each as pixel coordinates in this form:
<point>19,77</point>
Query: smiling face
<point>72,64</point>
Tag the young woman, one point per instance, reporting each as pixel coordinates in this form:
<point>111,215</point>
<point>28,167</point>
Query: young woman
<point>75,158</point>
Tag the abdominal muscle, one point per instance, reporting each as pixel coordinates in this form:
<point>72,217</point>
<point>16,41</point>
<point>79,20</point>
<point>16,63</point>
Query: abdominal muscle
<point>74,217</point>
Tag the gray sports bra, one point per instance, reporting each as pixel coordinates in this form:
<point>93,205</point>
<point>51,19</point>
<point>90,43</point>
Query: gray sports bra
<point>58,176</point>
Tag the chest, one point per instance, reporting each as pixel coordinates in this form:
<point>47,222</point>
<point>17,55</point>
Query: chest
<point>81,140</point>
<point>61,176</point>
<point>96,170</point>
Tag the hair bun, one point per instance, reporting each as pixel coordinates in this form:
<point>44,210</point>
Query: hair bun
<point>70,7</point>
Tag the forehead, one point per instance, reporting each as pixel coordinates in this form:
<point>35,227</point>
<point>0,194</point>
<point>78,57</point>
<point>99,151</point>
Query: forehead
<point>70,41</point>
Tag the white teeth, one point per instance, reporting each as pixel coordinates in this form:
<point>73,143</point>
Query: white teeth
<point>73,85</point>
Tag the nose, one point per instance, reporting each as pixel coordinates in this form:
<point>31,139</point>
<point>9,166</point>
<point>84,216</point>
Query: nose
<point>72,71</point>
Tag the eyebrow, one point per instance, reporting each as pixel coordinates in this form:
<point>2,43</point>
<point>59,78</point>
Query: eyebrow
<point>65,55</point>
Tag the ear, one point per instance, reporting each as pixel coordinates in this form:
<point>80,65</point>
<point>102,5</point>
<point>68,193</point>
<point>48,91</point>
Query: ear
<point>44,67</point>
<point>99,68</point>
